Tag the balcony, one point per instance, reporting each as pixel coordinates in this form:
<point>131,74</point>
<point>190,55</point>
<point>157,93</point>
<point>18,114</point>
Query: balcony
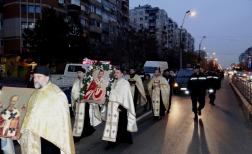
<point>95,16</point>
<point>95,29</point>
<point>96,2</point>
<point>75,9</point>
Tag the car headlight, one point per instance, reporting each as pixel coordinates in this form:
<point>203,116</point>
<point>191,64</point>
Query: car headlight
<point>175,85</point>
<point>187,92</point>
<point>183,89</point>
<point>210,90</point>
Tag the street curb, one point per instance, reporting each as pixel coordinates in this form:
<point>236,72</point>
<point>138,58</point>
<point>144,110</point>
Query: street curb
<point>246,106</point>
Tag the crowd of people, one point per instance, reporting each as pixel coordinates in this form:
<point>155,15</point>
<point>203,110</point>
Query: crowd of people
<point>47,127</point>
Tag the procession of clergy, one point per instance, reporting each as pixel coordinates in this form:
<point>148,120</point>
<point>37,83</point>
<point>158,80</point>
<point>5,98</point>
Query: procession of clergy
<point>48,108</point>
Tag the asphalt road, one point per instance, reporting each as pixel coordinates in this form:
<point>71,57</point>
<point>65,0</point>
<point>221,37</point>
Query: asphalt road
<point>222,129</point>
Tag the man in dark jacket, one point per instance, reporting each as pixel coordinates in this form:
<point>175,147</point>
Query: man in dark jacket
<point>169,76</point>
<point>197,87</point>
<point>213,84</point>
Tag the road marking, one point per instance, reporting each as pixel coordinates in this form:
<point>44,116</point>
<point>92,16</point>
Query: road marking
<point>144,115</point>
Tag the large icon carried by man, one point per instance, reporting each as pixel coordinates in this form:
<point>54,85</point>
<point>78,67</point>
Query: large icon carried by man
<point>96,88</point>
<point>13,104</point>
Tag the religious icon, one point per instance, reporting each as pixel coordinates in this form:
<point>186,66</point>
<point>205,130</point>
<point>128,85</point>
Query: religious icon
<point>9,119</point>
<point>13,102</point>
<point>96,89</point>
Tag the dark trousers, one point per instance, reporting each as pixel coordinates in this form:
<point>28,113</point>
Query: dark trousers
<point>197,99</point>
<point>48,147</point>
<point>162,107</point>
<point>170,97</point>
<point>212,97</point>
<point>136,95</point>
<point>148,105</point>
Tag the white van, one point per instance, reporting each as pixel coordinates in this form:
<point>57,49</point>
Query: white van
<point>151,66</point>
<point>66,80</point>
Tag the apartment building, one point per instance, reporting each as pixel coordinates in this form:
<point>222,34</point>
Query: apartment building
<point>95,16</point>
<point>166,30</point>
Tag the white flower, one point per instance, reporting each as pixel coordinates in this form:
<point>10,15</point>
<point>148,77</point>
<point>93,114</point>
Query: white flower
<point>90,67</point>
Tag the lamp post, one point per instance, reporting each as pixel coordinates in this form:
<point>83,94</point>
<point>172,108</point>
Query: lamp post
<point>203,37</point>
<point>190,13</point>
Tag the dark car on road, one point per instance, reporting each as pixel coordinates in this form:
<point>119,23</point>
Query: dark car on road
<point>182,77</point>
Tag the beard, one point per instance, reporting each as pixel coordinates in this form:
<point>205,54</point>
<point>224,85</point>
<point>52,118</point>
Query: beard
<point>37,85</point>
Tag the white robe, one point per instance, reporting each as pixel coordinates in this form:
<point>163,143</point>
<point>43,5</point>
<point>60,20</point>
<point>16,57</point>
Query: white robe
<point>94,113</point>
<point>155,86</point>
<point>120,95</point>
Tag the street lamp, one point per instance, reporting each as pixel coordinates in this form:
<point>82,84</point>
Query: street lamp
<point>203,37</point>
<point>190,13</point>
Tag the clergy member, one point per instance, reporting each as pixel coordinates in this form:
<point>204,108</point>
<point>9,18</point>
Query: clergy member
<point>137,88</point>
<point>159,90</point>
<point>121,117</point>
<point>46,128</point>
<point>87,115</point>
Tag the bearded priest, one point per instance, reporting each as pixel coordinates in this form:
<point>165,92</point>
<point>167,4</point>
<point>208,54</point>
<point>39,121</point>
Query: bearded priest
<point>121,116</point>
<point>46,128</point>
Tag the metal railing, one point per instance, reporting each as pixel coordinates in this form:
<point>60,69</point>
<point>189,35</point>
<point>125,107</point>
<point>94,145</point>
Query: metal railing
<point>245,88</point>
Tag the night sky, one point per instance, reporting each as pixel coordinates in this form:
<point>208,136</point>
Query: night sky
<point>227,24</point>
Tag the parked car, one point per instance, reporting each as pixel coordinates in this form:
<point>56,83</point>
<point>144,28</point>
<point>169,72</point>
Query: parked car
<point>65,81</point>
<point>182,77</point>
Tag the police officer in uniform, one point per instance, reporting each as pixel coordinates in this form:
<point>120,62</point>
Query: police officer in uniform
<point>213,84</point>
<point>197,87</point>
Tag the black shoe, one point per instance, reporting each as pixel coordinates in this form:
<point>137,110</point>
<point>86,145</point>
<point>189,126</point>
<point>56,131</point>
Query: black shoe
<point>212,104</point>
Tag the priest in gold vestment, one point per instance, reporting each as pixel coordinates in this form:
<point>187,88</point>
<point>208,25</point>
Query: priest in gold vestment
<point>46,128</point>
<point>159,90</point>
<point>137,89</point>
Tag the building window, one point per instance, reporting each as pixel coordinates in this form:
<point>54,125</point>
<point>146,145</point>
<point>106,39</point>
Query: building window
<point>98,11</point>
<point>29,25</point>
<point>92,9</point>
<point>84,22</point>
<point>24,9</point>
<point>61,2</point>
<point>141,18</point>
<point>37,9</point>
<point>98,24</point>
<point>31,9</point>
<point>75,2</point>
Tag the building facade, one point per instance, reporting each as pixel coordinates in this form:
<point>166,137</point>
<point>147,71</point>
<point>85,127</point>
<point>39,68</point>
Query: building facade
<point>167,32</point>
<point>99,18</point>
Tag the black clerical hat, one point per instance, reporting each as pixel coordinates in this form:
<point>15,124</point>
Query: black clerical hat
<point>42,70</point>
